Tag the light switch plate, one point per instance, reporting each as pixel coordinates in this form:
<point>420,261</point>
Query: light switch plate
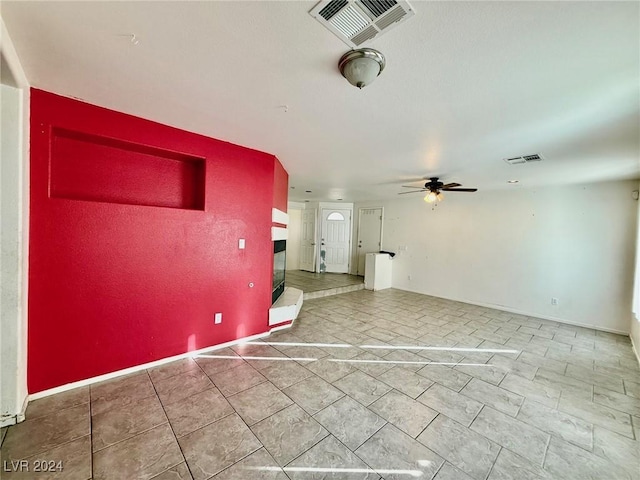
<point>217,318</point>
<point>241,244</point>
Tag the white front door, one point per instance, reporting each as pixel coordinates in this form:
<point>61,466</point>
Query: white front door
<point>369,234</point>
<point>335,240</point>
<point>308,240</point>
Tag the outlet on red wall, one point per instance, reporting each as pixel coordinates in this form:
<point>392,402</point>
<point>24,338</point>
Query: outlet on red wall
<point>134,241</point>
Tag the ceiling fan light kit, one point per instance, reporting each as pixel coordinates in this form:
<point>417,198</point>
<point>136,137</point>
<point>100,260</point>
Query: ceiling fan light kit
<point>433,196</point>
<point>361,67</point>
<point>434,189</point>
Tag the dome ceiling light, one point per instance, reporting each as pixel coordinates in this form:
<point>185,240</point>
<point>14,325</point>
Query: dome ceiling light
<point>361,67</point>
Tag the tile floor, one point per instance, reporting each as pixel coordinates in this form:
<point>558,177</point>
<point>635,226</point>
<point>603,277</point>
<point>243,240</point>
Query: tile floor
<point>366,385</point>
<point>313,282</point>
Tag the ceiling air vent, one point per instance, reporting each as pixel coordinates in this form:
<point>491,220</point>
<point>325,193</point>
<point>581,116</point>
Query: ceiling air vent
<point>357,21</point>
<point>536,157</point>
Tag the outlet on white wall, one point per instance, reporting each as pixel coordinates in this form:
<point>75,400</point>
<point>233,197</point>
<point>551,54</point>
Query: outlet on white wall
<point>217,318</point>
<point>554,301</point>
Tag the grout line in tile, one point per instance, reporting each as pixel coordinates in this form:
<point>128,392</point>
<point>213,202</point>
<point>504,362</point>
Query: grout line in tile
<point>91,432</point>
<point>329,434</point>
<point>546,450</point>
<point>171,426</point>
<point>427,425</point>
<point>274,413</point>
<point>234,463</point>
<point>383,425</point>
<point>495,461</point>
<point>40,454</point>
<point>476,416</point>
<point>172,466</point>
<point>129,438</point>
<point>441,466</point>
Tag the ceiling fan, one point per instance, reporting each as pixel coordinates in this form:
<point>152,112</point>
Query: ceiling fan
<point>434,187</point>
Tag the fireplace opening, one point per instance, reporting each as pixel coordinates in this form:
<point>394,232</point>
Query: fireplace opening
<point>279,257</point>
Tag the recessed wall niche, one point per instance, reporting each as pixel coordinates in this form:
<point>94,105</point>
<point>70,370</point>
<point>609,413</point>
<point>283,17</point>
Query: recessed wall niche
<point>101,169</point>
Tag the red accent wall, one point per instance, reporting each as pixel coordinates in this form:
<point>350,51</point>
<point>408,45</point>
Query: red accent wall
<point>134,241</point>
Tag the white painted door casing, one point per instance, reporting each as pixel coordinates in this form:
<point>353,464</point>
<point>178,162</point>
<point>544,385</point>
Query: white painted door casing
<point>369,235</point>
<point>308,240</point>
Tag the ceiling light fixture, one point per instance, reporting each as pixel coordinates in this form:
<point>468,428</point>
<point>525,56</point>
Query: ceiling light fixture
<point>361,67</point>
<point>432,196</point>
<point>513,181</point>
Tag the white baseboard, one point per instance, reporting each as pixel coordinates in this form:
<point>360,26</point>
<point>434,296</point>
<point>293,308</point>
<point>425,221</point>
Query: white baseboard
<point>522,312</point>
<point>137,368</point>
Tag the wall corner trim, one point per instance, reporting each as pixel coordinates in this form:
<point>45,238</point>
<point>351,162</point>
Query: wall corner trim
<point>279,233</point>
<point>287,307</point>
<point>14,322</point>
<point>278,216</point>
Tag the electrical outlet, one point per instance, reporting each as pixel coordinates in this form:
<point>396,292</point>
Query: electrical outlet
<point>217,318</point>
<point>554,301</point>
<point>408,277</point>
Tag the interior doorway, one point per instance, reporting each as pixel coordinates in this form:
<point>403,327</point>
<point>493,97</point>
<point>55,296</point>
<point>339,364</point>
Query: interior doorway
<point>294,229</point>
<point>369,234</point>
<point>308,240</point>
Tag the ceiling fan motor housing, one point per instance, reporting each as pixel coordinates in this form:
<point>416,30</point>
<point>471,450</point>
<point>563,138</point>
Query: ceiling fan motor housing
<point>433,184</point>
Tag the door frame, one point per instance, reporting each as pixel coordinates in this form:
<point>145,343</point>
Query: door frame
<point>297,206</point>
<point>14,389</point>
<point>316,250</point>
<point>357,259</point>
<point>319,220</point>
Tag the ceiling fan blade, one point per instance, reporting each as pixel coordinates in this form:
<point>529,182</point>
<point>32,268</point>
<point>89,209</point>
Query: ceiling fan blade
<point>460,189</point>
<point>451,185</point>
<point>415,191</point>
<point>411,186</point>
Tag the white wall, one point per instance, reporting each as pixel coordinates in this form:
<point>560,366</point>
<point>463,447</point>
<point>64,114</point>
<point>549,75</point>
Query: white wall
<point>293,241</point>
<point>14,207</point>
<point>515,249</point>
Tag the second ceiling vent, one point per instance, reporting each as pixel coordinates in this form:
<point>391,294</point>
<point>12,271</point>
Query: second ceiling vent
<point>357,21</point>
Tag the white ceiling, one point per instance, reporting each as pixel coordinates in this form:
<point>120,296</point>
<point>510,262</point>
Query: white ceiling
<point>466,85</point>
